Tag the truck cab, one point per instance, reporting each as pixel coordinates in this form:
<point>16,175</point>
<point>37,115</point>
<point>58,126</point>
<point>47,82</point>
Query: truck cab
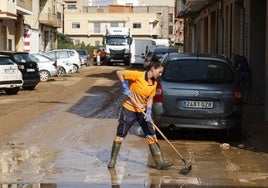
<point>117,45</point>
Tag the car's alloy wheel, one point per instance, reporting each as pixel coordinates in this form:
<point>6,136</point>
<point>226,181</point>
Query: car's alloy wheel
<point>75,68</point>
<point>44,75</point>
<point>60,71</point>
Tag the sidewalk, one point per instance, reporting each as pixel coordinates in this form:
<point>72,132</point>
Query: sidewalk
<point>255,128</point>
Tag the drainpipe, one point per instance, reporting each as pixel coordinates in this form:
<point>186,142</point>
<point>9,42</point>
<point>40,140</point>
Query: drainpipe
<point>243,47</point>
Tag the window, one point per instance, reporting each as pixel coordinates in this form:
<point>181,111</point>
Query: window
<point>97,43</point>
<point>71,6</point>
<point>170,30</point>
<point>75,25</point>
<point>114,24</point>
<point>76,41</point>
<point>9,45</point>
<point>170,17</point>
<point>136,25</point>
<point>206,71</point>
<point>97,28</point>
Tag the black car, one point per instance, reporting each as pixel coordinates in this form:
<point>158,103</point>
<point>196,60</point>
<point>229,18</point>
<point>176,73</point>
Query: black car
<point>28,67</point>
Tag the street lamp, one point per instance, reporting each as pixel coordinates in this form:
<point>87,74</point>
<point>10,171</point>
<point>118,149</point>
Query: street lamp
<point>63,7</point>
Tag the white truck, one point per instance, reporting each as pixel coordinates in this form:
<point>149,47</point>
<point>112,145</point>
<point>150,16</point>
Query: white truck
<point>117,45</point>
<point>139,49</point>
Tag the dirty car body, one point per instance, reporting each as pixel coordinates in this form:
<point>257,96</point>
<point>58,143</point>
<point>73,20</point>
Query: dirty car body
<point>198,92</point>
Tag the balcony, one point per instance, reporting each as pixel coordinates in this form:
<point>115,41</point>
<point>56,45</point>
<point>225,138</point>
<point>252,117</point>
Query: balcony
<point>195,5</point>
<point>8,10</point>
<point>24,7</point>
<point>50,19</point>
<point>192,7</point>
<point>155,32</point>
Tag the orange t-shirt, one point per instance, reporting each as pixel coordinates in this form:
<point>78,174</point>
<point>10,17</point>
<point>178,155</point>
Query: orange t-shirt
<point>140,88</point>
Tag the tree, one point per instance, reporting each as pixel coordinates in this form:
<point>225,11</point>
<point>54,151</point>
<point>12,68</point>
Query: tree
<point>64,41</point>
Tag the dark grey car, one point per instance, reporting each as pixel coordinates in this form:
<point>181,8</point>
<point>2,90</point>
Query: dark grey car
<point>199,92</point>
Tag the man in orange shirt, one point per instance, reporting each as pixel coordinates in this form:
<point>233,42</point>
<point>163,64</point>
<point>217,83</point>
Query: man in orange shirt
<point>142,90</point>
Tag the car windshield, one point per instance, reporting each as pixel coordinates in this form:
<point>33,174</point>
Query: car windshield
<point>197,71</point>
<point>23,58</point>
<point>117,41</point>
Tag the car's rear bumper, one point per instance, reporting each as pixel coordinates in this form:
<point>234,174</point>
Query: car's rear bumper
<point>173,123</point>
<point>11,84</point>
<point>31,80</point>
<point>232,121</point>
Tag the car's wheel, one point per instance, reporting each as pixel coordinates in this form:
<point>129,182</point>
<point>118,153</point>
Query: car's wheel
<point>60,71</point>
<point>44,75</point>
<point>75,68</point>
<point>28,87</point>
<point>234,134</point>
<point>12,91</point>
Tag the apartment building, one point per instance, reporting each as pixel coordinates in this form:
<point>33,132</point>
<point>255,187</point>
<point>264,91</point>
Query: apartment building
<point>224,27</point>
<point>12,24</point>
<point>46,18</point>
<point>91,25</point>
<point>88,23</point>
<point>29,25</point>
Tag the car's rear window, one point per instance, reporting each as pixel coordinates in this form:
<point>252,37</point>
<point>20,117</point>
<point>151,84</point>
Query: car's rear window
<point>5,61</point>
<point>23,58</point>
<point>205,71</point>
<point>82,52</point>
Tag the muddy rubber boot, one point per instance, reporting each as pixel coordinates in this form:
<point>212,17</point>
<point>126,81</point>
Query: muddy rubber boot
<point>157,156</point>
<point>115,151</point>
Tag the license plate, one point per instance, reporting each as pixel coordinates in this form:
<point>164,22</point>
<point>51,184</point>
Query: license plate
<point>9,71</point>
<point>198,104</point>
<point>30,70</point>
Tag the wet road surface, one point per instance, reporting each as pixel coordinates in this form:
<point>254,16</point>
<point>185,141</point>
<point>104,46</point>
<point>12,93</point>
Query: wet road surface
<point>69,144</point>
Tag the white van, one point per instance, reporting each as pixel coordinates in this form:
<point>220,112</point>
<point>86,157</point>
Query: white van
<point>162,42</point>
<point>139,48</point>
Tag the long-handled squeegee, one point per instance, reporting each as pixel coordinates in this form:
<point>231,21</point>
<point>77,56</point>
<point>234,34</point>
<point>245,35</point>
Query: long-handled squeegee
<point>188,166</point>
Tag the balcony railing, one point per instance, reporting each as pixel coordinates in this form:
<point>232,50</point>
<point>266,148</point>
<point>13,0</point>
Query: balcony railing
<point>50,19</point>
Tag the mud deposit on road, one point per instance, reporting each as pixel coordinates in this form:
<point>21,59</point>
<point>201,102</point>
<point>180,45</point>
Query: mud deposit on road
<point>60,135</point>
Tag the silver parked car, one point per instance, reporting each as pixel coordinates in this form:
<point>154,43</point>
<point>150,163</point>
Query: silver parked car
<point>67,55</point>
<point>63,67</point>
<point>47,67</point>
<point>198,92</point>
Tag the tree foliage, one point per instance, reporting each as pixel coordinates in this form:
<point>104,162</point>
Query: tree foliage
<point>64,41</point>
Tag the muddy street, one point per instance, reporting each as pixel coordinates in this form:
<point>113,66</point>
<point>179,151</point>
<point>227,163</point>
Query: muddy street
<point>60,135</point>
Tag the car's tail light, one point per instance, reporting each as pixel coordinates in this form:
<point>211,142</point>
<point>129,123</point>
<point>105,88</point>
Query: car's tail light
<point>55,64</point>
<point>21,67</point>
<point>238,95</point>
<point>159,93</point>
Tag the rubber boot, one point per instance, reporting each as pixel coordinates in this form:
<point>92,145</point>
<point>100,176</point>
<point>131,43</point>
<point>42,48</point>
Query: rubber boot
<point>157,156</point>
<point>115,151</point>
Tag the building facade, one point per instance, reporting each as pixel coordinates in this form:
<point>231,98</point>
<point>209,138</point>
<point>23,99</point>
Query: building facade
<point>230,26</point>
<point>88,23</point>
<point>12,24</point>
